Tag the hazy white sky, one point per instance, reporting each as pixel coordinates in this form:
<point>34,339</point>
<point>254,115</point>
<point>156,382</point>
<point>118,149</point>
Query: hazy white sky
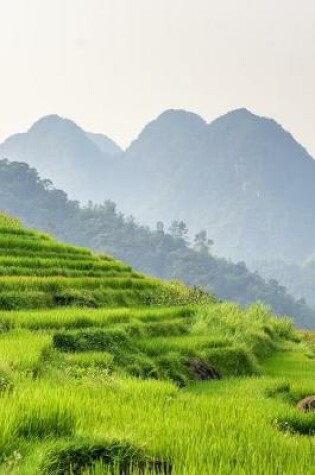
<point>113,65</point>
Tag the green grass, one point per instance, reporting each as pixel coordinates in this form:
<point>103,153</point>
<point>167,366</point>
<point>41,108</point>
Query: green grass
<point>96,373</point>
<point>65,403</point>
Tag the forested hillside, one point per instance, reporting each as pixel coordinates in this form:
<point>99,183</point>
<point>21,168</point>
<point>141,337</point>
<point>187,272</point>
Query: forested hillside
<point>164,253</point>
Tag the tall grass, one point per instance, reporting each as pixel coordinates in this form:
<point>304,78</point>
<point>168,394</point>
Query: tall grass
<point>231,420</point>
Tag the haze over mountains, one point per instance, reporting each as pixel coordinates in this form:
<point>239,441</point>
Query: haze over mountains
<point>242,177</point>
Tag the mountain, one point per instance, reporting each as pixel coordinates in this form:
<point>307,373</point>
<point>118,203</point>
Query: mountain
<point>242,178</point>
<point>163,253</point>
<point>64,153</point>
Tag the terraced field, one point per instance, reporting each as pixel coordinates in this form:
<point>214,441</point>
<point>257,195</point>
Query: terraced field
<point>106,371</point>
<point>37,272</point>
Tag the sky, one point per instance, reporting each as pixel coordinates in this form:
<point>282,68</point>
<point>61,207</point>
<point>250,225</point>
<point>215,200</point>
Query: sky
<point>114,65</point>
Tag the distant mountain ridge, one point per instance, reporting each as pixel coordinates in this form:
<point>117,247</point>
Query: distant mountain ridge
<point>241,177</point>
<point>62,151</point>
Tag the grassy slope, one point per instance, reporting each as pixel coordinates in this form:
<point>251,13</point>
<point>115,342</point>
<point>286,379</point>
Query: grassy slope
<point>67,376</point>
<point>37,272</point>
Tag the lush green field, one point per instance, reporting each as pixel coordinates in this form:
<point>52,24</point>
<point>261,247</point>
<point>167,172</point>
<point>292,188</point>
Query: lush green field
<point>53,399</point>
<point>94,387</point>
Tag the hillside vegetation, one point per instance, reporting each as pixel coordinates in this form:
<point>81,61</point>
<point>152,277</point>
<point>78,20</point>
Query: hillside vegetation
<point>176,383</point>
<point>161,252</point>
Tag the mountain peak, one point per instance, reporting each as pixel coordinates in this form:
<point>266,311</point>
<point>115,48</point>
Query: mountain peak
<point>174,121</point>
<point>243,121</point>
<point>50,118</point>
<point>240,115</point>
<point>173,126</point>
<point>53,121</point>
<point>180,116</point>
<point>242,112</point>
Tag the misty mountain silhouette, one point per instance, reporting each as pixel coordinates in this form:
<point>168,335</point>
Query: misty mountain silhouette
<point>242,177</point>
<point>63,152</point>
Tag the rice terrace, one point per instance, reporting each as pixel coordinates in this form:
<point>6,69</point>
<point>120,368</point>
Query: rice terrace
<point>107,371</point>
